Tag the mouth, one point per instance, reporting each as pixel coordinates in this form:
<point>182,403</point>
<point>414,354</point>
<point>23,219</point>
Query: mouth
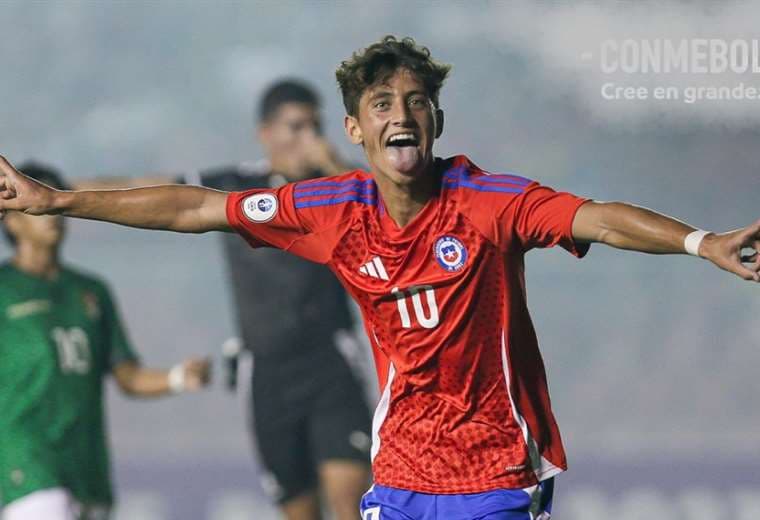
<point>403,152</point>
<point>402,140</point>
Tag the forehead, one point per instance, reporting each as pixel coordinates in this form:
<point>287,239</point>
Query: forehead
<point>293,111</point>
<point>401,81</point>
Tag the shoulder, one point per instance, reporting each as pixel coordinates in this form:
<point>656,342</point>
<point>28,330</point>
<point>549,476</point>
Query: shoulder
<point>480,189</point>
<point>464,175</point>
<point>85,280</point>
<point>330,200</point>
<point>356,186</point>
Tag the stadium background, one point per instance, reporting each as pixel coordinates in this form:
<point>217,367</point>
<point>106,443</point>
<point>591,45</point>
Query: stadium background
<point>652,362</point>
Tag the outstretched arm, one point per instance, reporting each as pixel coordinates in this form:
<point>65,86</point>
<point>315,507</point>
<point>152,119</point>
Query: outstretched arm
<point>626,226</point>
<point>139,381</point>
<point>115,183</point>
<point>186,209</point>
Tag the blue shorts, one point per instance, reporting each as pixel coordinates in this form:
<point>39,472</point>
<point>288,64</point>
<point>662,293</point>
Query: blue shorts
<point>385,503</point>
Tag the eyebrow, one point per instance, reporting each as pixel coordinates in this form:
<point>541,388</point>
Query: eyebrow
<point>382,92</point>
<point>387,92</point>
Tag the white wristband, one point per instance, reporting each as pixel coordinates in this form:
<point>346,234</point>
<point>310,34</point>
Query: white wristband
<point>177,379</point>
<point>692,241</point>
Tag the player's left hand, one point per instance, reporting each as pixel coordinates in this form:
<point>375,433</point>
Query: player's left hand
<point>725,251</point>
<point>197,373</point>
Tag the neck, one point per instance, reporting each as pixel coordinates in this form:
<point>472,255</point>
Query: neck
<point>404,201</point>
<point>36,260</point>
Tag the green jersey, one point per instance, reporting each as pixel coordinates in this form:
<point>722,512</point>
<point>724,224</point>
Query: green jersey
<point>58,340</point>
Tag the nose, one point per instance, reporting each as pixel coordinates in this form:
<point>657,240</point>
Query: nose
<point>401,115</point>
<point>306,132</point>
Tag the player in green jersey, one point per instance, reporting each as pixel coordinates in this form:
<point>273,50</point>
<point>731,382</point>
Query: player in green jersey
<point>60,335</point>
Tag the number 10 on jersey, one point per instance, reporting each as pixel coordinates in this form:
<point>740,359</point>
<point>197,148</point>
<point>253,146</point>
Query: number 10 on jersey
<point>427,320</point>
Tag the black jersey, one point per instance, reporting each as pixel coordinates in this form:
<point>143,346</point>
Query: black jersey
<point>286,307</point>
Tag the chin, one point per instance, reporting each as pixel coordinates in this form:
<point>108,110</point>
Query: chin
<point>404,178</point>
<point>415,173</point>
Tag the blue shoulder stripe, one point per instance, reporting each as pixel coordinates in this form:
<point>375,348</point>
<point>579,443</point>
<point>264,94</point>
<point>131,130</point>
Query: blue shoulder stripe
<point>458,177</point>
<point>331,201</point>
<point>504,178</point>
<point>494,178</point>
<point>313,192</point>
<point>453,183</point>
<point>331,184</point>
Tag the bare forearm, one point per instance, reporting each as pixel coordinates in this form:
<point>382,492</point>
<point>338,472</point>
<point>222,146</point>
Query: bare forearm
<point>626,226</point>
<point>187,209</point>
<point>115,183</point>
<point>139,381</point>
<point>170,207</point>
<point>151,383</point>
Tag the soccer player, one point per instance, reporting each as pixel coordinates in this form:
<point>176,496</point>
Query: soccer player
<point>60,336</point>
<point>433,251</point>
<point>289,313</point>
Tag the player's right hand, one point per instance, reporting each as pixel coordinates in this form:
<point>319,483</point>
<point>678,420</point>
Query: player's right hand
<point>20,193</point>
<point>320,155</point>
<point>316,150</point>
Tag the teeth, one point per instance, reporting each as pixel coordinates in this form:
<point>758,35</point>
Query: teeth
<point>401,137</point>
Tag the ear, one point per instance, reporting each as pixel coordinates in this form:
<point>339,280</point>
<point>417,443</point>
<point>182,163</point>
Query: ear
<point>438,122</point>
<point>262,133</point>
<point>353,130</point>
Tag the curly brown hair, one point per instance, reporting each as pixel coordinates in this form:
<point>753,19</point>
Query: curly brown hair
<point>379,61</point>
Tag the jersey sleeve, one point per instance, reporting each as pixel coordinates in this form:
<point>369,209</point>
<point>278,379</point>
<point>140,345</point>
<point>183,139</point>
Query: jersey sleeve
<point>519,214</point>
<point>269,218</point>
<point>118,344</point>
<point>542,217</point>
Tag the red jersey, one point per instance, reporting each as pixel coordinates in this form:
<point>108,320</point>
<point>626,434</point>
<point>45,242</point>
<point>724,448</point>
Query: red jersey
<point>464,404</point>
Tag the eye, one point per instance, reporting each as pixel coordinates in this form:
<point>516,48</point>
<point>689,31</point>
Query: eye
<point>418,102</point>
<point>381,105</point>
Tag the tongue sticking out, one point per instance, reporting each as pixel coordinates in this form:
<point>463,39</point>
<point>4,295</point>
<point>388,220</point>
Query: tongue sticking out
<point>403,158</point>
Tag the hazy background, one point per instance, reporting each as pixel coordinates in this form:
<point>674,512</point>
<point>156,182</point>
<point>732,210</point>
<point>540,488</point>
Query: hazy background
<point>652,361</point>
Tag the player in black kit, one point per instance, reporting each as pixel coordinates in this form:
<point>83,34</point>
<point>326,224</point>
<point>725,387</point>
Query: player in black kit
<point>310,419</point>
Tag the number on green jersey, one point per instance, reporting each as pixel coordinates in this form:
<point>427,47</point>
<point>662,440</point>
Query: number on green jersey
<point>73,350</point>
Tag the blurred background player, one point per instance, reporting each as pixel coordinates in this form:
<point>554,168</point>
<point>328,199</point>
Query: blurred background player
<point>310,418</point>
<point>60,335</point>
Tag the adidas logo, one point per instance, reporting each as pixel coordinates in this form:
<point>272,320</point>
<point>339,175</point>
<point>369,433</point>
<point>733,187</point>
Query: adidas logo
<point>374,268</point>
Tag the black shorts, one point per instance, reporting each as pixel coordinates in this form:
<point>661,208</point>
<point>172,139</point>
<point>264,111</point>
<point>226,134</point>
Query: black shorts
<point>305,415</point>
